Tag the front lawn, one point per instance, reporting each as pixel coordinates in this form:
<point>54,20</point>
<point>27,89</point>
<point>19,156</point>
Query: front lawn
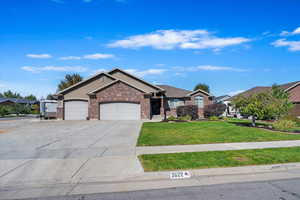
<point>205,132</point>
<point>213,159</point>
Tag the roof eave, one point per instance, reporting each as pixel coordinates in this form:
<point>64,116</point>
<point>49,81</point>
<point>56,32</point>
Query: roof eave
<point>199,90</point>
<point>111,83</point>
<point>154,86</point>
<point>83,81</point>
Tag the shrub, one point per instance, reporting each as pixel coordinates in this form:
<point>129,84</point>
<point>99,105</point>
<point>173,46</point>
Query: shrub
<point>171,118</point>
<point>292,118</point>
<point>4,110</point>
<point>185,118</point>
<point>226,118</point>
<point>284,125</point>
<point>188,110</point>
<point>214,109</point>
<point>213,118</point>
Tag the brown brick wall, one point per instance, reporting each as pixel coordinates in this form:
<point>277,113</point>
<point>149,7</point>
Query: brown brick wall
<point>295,111</point>
<point>60,113</point>
<point>189,101</point>
<point>119,92</point>
<point>295,94</point>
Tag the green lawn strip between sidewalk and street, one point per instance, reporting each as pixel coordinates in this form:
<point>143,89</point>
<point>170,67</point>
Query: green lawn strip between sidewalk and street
<point>215,159</point>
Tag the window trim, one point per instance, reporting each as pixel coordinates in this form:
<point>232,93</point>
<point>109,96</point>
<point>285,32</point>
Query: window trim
<point>175,102</point>
<point>197,101</point>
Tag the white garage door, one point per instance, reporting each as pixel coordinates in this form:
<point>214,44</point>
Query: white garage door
<point>76,110</point>
<point>120,111</point>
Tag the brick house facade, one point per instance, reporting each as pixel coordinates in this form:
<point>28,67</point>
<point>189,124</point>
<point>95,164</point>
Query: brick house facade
<point>119,87</point>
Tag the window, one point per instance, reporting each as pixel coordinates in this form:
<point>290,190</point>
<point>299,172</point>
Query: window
<point>199,101</point>
<point>173,103</point>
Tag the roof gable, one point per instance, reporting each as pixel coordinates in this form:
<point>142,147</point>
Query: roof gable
<point>112,83</point>
<point>116,70</point>
<point>77,85</point>
<point>199,91</point>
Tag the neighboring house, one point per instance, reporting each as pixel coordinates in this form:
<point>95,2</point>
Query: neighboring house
<point>118,95</point>
<point>230,111</point>
<point>293,88</point>
<point>11,101</point>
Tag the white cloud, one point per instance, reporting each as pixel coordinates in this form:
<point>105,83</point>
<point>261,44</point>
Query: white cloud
<point>183,39</point>
<point>70,58</point>
<point>287,33</point>
<point>40,56</point>
<point>54,68</point>
<point>292,45</point>
<point>97,56</point>
<point>2,85</point>
<point>235,92</point>
<point>208,68</point>
<point>142,73</point>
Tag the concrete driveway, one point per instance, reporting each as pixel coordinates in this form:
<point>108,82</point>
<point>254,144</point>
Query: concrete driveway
<point>37,152</point>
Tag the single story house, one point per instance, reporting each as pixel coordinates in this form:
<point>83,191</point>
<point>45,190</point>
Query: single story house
<point>293,88</point>
<point>118,95</point>
<point>12,101</point>
<point>230,111</point>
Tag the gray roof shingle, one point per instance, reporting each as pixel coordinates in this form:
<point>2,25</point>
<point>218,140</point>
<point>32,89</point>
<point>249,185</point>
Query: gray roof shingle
<point>173,91</point>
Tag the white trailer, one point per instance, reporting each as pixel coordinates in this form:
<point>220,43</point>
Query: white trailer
<point>48,108</point>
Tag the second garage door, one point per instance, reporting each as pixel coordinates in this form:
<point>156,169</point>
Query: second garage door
<point>76,110</point>
<point>120,111</point>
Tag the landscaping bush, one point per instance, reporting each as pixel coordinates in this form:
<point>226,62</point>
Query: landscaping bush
<point>214,110</point>
<point>292,118</point>
<point>284,125</point>
<point>171,118</point>
<point>4,110</point>
<point>213,118</point>
<point>185,118</point>
<point>226,118</point>
<point>188,110</point>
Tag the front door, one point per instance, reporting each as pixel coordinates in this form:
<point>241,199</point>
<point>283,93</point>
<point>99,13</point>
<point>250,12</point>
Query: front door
<point>155,106</point>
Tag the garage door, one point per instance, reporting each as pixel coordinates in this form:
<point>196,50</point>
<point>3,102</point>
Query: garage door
<point>76,110</point>
<point>120,111</point>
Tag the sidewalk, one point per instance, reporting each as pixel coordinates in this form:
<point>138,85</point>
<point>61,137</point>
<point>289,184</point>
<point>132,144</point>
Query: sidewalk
<point>215,147</point>
<point>155,180</point>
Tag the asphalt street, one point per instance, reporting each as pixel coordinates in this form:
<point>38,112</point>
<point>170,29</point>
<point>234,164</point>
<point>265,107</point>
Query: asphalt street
<point>266,190</point>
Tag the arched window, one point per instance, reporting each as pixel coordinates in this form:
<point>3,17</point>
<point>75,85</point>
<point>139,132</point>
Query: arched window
<point>199,101</point>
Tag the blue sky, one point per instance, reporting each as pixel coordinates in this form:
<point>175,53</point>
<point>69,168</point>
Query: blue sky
<point>231,45</point>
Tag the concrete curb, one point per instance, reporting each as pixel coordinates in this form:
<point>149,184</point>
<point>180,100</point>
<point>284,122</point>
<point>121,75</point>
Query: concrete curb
<point>223,171</point>
<point>157,180</point>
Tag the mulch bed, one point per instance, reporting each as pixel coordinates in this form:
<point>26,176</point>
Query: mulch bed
<point>266,127</point>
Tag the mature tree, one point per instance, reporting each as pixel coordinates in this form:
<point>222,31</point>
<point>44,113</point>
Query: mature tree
<point>70,79</point>
<point>50,97</point>
<point>31,97</point>
<point>281,103</point>
<point>265,105</point>
<point>10,94</point>
<point>202,86</point>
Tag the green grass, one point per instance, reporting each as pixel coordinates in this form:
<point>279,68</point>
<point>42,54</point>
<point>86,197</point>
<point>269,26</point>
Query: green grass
<point>214,159</point>
<point>205,132</point>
